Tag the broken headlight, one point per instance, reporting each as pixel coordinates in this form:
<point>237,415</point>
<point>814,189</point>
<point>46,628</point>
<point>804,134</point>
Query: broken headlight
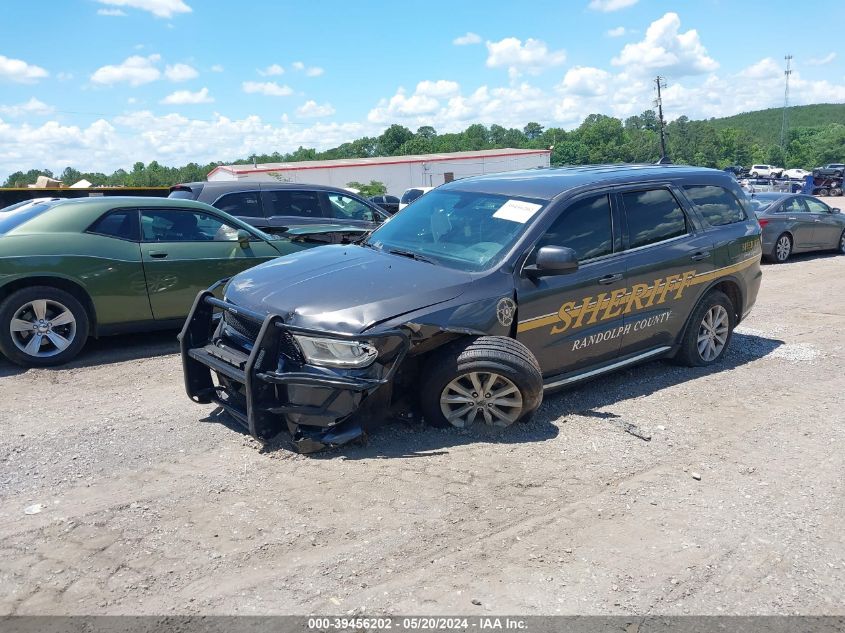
<point>330,352</point>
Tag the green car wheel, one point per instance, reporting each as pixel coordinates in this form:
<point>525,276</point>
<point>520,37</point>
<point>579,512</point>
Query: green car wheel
<point>42,326</point>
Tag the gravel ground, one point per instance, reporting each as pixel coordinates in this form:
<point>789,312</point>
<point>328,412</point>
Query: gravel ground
<point>119,496</point>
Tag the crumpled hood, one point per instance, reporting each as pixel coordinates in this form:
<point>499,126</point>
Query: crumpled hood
<point>343,288</point>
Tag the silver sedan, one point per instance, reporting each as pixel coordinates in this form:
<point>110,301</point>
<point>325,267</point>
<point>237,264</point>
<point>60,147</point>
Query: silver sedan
<point>794,223</point>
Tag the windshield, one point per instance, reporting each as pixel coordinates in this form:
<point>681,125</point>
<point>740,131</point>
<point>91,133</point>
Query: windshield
<point>463,230</point>
<point>12,219</point>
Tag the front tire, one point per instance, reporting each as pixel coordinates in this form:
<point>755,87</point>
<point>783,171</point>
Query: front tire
<point>842,243</point>
<point>709,331</point>
<point>42,326</point>
<point>490,381</point>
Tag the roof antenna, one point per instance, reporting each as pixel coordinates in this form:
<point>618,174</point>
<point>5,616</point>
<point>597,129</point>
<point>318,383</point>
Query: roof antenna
<point>660,82</point>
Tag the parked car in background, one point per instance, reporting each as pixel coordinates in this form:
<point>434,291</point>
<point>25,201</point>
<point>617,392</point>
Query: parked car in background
<point>797,224</point>
<point>386,202</point>
<point>765,171</point>
<point>70,269</point>
<point>330,213</point>
<point>831,170</point>
<point>796,173</point>
<point>412,194</point>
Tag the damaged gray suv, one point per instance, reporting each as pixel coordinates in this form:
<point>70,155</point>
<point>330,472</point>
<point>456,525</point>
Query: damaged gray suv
<point>470,304</point>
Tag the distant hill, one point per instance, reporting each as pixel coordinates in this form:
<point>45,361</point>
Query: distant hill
<point>764,125</point>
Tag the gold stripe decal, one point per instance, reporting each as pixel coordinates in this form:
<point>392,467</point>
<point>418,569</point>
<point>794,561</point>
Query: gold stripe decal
<point>609,305</point>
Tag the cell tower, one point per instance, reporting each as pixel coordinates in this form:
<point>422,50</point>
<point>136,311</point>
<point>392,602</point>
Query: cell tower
<point>660,82</point>
<point>784,126</point>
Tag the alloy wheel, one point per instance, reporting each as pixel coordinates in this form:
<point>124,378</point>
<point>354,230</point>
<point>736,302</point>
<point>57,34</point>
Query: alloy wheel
<point>713,333</point>
<point>783,248</point>
<point>42,328</point>
<point>485,395</point>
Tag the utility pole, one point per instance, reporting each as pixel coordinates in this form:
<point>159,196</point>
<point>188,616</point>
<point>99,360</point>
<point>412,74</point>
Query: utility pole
<point>660,82</point>
<point>784,126</point>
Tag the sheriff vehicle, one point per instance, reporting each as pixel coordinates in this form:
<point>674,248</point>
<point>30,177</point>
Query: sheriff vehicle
<point>476,299</point>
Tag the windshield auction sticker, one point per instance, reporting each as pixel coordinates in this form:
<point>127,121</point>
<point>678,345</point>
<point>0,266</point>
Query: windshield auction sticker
<point>517,211</point>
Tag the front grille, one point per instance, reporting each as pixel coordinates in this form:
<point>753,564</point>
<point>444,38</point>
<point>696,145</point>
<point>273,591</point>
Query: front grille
<point>249,328</point>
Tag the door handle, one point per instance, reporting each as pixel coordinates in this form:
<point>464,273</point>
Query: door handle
<point>791,218</point>
<point>700,255</point>
<point>609,279</point>
<point>816,220</point>
<point>158,254</point>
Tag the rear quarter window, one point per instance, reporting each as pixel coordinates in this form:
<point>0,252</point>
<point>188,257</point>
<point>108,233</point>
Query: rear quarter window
<point>717,205</point>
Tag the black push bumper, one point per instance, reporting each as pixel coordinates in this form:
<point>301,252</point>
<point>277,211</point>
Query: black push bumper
<point>264,383</point>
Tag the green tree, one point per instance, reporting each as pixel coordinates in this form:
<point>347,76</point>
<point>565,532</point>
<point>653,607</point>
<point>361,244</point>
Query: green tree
<point>392,139</point>
<point>374,188</point>
<point>532,130</point>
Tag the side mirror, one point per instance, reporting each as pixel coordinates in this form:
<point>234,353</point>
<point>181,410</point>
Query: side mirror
<point>553,260</point>
<point>837,210</point>
<point>244,238</point>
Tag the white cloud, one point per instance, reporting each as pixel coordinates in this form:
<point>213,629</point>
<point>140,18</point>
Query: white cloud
<point>217,68</point>
<point>311,109</point>
<point>310,71</point>
<point>134,70</point>
<point>607,6</point>
<point>172,139</point>
<point>439,88</point>
<point>185,97</point>
<point>821,61</point>
<point>766,68</point>
<point>271,71</point>
<point>531,57</point>
<point>31,107</point>
<point>180,72</point>
<point>19,71</point>
<point>159,8</point>
<point>619,31</point>
<point>469,38</point>
<point>111,12</point>
<point>586,81</point>
<point>666,49</point>
<point>268,88</point>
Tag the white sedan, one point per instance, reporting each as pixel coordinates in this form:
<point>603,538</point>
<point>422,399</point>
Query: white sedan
<point>795,174</point>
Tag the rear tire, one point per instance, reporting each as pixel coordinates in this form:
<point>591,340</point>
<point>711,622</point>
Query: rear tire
<point>782,250</point>
<point>842,243</point>
<point>42,326</point>
<point>709,331</point>
<point>490,381</point>
<point>822,193</point>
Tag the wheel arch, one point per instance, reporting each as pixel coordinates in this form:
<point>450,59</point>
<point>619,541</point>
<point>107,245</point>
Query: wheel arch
<point>727,285</point>
<point>62,283</point>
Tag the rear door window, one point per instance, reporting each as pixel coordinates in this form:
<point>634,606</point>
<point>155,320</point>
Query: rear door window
<point>653,216</point>
<point>303,204</point>
<point>793,205</point>
<point>121,223</point>
<point>245,204</point>
<point>716,204</point>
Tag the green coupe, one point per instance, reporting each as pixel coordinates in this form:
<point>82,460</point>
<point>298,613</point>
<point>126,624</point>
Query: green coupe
<point>70,269</point>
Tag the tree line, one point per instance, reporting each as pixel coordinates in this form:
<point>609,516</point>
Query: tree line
<point>599,139</point>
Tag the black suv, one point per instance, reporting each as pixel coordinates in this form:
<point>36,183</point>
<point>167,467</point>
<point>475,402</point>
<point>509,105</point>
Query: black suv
<point>276,207</point>
<point>471,303</point>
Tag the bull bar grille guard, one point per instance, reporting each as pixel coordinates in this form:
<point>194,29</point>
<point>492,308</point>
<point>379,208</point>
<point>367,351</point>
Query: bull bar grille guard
<point>257,372</point>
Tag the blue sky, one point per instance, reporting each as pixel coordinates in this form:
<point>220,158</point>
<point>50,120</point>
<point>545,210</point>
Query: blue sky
<point>100,84</point>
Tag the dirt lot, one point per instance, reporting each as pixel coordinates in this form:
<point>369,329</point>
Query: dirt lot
<point>150,504</point>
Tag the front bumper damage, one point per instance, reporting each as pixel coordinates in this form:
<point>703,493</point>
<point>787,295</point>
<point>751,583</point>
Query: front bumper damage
<point>251,366</point>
